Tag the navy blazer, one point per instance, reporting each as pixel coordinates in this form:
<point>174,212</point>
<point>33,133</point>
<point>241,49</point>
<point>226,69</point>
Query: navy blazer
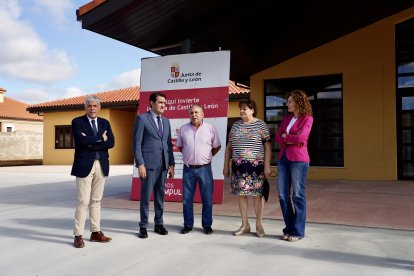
<point>87,146</point>
<point>148,145</point>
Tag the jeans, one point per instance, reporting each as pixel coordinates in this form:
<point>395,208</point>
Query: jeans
<point>292,175</point>
<point>204,177</point>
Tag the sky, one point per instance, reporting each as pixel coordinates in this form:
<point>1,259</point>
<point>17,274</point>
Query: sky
<point>46,55</point>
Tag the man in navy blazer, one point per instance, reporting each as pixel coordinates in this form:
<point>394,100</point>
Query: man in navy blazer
<point>93,137</point>
<point>154,157</point>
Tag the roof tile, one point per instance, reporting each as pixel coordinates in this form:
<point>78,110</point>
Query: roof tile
<point>238,88</point>
<point>130,94</point>
<point>90,6</point>
<point>12,109</point>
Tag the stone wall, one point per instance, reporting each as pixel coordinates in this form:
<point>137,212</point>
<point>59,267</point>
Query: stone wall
<point>21,145</point>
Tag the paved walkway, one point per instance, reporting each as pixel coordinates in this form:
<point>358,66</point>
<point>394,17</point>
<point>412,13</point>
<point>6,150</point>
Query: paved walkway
<point>380,204</point>
<point>36,217</point>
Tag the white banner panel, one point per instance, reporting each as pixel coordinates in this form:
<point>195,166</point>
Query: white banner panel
<point>198,70</point>
<point>200,78</point>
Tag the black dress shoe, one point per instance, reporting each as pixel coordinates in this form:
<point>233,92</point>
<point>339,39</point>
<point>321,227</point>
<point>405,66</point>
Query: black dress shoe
<point>143,233</point>
<point>186,229</point>
<point>208,230</point>
<point>160,230</point>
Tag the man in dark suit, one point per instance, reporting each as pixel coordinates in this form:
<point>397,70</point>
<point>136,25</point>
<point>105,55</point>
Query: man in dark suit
<point>154,157</point>
<point>93,137</point>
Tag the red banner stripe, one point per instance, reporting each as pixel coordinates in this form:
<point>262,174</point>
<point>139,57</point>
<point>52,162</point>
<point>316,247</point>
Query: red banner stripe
<point>214,101</point>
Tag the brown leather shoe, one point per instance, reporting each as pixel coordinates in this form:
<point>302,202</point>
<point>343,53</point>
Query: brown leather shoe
<point>99,237</point>
<point>78,242</point>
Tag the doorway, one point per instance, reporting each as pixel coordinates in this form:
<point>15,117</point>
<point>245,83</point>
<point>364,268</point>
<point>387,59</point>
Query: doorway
<point>405,99</point>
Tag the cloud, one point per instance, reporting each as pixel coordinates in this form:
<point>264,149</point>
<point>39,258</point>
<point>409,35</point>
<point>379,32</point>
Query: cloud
<point>24,55</point>
<point>46,94</point>
<point>57,10</point>
<point>127,79</point>
<point>34,95</point>
<point>123,80</point>
<point>73,92</point>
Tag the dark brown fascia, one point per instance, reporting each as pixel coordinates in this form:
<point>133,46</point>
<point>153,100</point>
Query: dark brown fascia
<point>36,110</point>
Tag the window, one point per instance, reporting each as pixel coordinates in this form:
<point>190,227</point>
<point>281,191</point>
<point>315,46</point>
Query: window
<point>7,127</point>
<point>325,95</point>
<point>405,99</point>
<point>63,137</point>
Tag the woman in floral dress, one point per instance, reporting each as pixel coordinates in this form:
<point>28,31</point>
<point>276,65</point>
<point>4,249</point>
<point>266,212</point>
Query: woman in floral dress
<point>250,151</point>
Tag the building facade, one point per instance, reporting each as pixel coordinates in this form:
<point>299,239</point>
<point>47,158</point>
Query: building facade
<point>361,89</point>
<point>21,133</point>
<point>119,106</point>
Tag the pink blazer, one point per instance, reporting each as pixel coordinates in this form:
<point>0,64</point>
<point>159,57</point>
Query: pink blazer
<point>296,142</point>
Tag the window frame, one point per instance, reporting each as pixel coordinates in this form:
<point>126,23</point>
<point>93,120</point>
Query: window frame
<point>404,55</point>
<point>312,86</point>
<point>65,130</point>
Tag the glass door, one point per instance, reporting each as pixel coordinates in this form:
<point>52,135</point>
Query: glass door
<point>406,136</point>
<point>405,99</point>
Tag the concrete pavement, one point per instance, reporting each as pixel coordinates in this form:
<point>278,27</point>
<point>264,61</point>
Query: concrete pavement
<point>36,216</point>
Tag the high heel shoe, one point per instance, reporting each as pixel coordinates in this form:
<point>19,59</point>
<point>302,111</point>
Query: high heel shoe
<point>260,231</point>
<point>285,237</point>
<point>242,230</point>
<point>293,239</point>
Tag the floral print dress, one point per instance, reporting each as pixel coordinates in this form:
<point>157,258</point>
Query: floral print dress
<point>247,141</point>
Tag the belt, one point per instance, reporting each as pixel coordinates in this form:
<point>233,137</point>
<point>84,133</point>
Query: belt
<point>196,166</point>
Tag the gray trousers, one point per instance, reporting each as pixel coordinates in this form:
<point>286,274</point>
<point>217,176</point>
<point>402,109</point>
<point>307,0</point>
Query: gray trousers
<point>154,182</point>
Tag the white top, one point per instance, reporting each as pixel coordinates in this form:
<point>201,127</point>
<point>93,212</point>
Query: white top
<point>292,121</point>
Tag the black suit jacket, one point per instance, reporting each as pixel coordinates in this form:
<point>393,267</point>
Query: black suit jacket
<point>87,146</point>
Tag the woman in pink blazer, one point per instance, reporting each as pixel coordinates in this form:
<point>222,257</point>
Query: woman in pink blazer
<point>293,164</point>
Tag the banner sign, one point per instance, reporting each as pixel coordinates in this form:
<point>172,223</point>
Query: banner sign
<point>200,78</point>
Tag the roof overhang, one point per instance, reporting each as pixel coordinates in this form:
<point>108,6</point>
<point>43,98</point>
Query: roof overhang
<point>124,106</point>
<point>259,34</point>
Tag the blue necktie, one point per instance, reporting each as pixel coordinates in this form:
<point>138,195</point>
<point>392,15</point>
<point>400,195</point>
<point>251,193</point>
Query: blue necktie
<point>159,125</point>
<point>95,131</point>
